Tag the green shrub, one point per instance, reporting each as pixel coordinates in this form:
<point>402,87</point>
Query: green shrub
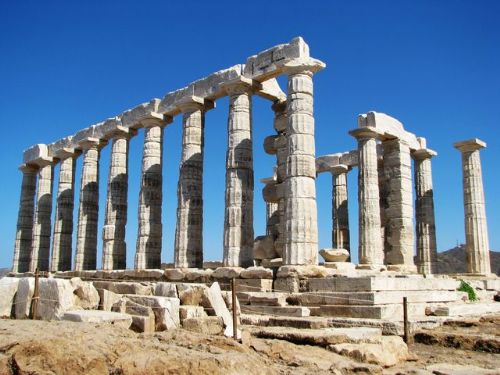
<point>466,287</point>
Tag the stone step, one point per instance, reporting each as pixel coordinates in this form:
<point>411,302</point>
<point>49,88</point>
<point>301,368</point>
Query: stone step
<point>277,310</point>
<point>465,309</point>
<point>262,298</point>
<point>311,322</point>
<point>390,311</point>
<point>98,316</point>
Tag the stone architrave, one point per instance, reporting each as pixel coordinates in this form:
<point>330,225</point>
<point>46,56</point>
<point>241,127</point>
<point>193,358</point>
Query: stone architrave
<point>399,212</point>
<point>40,251</point>
<point>424,213</point>
<point>189,228</point>
<point>114,251</point>
<point>371,253</point>
<point>476,228</point>
<point>301,218</point>
<point>149,236</point>
<point>88,210</point>
<point>340,214</point>
<point>238,216</point>
<point>63,224</point>
<point>24,230</point>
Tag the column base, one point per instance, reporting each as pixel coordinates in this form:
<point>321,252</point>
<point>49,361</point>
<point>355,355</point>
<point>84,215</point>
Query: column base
<point>403,268</point>
<point>371,267</point>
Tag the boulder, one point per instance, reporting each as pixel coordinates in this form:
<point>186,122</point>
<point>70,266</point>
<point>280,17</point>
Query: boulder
<point>334,255</point>
<point>193,294</point>
<point>165,290</point>
<point>210,325</point>
<point>56,297</point>
<point>188,312</point>
<point>8,289</point>
<point>256,273</point>
<point>227,273</point>
<point>166,310</point>
<point>24,294</point>
<point>87,295</point>
<point>263,248</point>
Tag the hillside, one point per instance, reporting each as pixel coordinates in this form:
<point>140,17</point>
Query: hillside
<point>453,261</point>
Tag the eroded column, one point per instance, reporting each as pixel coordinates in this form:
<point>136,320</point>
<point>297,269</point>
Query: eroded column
<point>301,217</point>
<point>189,229</point>
<point>371,254</point>
<point>280,124</point>
<point>424,213</point>
<point>340,213</point>
<point>476,228</point>
<point>61,259</point>
<point>399,211</point>
<point>114,252</point>
<point>88,210</point>
<point>40,251</point>
<point>24,229</point>
<point>238,216</point>
<point>149,236</point>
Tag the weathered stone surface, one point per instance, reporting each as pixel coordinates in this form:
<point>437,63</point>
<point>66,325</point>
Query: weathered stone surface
<point>125,306</point>
<point>193,294</point>
<point>166,290</point>
<point>287,284</point>
<point>303,272</point>
<point>174,274</point>
<point>340,211</point>
<point>334,255</point>
<point>125,287</point>
<point>456,369</point>
<point>277,310</point>
<point>341,267</point>
<point>198,275</point>
<point>256,273</point>
<point>95,316</point>
<point>210,325</point>
<point>8,289</point>
<point>272,263</point>
<point>166,310</point>
<point>464,309</point>
<point>263,248</point>
<point>189,312</point>
<point>227,272</point>
<point>107,299</point>
<point>254,285</point>
<point>87,295</point>
<point>23,297</point>
<point>212,264</point>
<point>56,297</point>
<point>220,308</point>
<point>143,324</point>
<point>263,298</point>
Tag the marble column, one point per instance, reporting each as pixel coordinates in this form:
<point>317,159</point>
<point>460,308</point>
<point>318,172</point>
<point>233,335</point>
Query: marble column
<point>476,228</point>
<point>24,229</point>
<point>371,253</point>
<point>399,211</point>
<point>88,210</point>
<point>280,124</point>
<point>149,233</point>
<point>340,212</point>
<point>114,251</point>
<point>189,229</point>
<point>301,217</point>
<point>42,226</point>
<point>424,213</point>
<point>238,214</point>
<point>61,259</point>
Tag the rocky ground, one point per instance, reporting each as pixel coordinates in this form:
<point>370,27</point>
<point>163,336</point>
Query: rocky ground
<point>37,347</point>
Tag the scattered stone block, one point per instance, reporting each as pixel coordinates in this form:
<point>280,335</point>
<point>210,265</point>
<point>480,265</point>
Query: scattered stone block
<point>256,273</point>
<point>23,297</point>
<point>304,272</point>
<point>263,248</point>
<point>220,308</point>
<point>287,284</point>
<point>335,255</point>
<point>267,298</point>
<point>193,294</point>
<point>144,289</point>
<point>210,325</point>
<point>166,310</point>
<point>56,297</point>
<point>199,276</point>
<point>166,290</point>
<point>8,289</point>
<point>272,263</point>
<point>188,312</point>
<point>227,273</point>
<point>96,316</point>
<point>107,299</point>
<point>464,309</point>
<point>143,324</point>
<point>254,285</point>
<point>87,295</point>
<point>174,274</point>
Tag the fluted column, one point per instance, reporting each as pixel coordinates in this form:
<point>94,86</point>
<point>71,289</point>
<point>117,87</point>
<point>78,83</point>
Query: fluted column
<point>476,228</point>
<point>24,229</point>
<point>424,213</point>
<point>63,223</point>
<point>40,251</point>
<point>238,214</point>
<point>340,214</point>
<point>189,228</point>
<point>371,254</point>
<point>301,217</point>
<point>399,211</point>
<point>114,252</point>
<point>149,233</point>
<point>88,210</point>
<point>280,124</point>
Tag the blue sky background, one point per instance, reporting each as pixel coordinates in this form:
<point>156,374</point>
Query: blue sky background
<point>434,65</point>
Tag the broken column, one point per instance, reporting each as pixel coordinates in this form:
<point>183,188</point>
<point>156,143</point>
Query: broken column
<point>88,211</point>
<point>40,251</point>
<point>63,224</point>
<point>189,228</point>
<point>24,229</point>
<point>114,252</point>
<point>340,212</point>
<point>424,213</point>
<point>476,229</point>
<point>371,254</point>
<point>238,216</point>
<point>301,218</point>
<point>399,211</point>
<point>149,232</point>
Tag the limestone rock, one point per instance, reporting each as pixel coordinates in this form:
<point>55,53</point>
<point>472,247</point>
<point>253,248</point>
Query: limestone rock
<point>220,308</point>
<point>188,312</point>
<point>87,295</point>
<point>272,263</point>
<point>56,297</point>
<point>144,289</point>
<point>193,294</point>
<point>256,273</point>
<point>199,275</point>
<point>263,248</point>
<point>228,299</point>
<point>456,369</point>
<point>212,264</point>
<point>94,316</point>
<point>334,255</point>
<point>227,272</point>
<point>174,274</point>
<point>143,324</point>
<point>107,299</point>
<point>166,310</point>
<point>8,289</point>
<point>166,290</point>
<point>210,325</point>
<point>304,272</point>
<point>24,294</point>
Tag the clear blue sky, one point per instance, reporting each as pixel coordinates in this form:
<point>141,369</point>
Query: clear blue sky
<point>435,65</point>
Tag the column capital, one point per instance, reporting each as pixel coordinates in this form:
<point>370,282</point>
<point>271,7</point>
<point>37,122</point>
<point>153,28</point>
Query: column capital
<point>366,132</point>
<point>470,145</point>
<point>27,168</point>
<point>240,85</point>
<point>88,143</point>
<point>339,169</point>
<point>279,106</point>
<point>121,132</point>
<point>66,152</point>
<point>193,103</point>
<point>423,153</point>
<point>156,119</point>
<point>307,66</point>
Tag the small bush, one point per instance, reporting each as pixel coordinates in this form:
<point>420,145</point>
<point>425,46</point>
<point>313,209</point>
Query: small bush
<point>466,287</point>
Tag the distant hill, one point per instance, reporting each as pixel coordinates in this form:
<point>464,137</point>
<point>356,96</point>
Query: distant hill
<point>4,271</point>
<point>453,261</point>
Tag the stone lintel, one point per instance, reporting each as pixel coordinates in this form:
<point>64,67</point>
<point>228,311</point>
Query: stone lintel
<point>66,152</point>
<point>424,153</point>
<point>156,119</point>
<point>306,65</point>
<point>366,132</point>
<point>41,162</point>
<point>120,132</point>
<point>339,169</point>
<point>192,102</point>
<point>239,85</point>
<point>87,143</point>
<point>470,145</point>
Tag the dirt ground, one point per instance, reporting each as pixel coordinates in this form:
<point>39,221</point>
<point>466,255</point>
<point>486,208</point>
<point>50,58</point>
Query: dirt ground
<point>36,347</point>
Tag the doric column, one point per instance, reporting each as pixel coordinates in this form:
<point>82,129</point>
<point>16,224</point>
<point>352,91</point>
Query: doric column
<point>88,210</point>
<point>114,251</point>
<point>63,223</point>
<point>340,212</point>
<point>371,253</point>
<point>280,124</point>
<point>238,214</point>
<point>301,217</point>
<point>40,251</point>
<point>424,212</point>
<point>476,228</point>
<point>399,211</point>
<point>24,230</point>
<point>149,233</point>
<point>189,228</point>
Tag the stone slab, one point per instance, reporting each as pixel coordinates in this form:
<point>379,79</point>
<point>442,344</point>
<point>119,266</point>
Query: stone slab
<point>23,297</point>
<point>467,309</point>
<point>166,310</point>
<point>144,288</point>
<point>210,325</point>
<point>254,285</point>
<point>390,312</point>
<point>188,312</point>
<point>163,289</point>
<point>96,316</point>
<point>298,311</point>
<point>107,299</point>
<point>220,308</point>
<point>8,289</point>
